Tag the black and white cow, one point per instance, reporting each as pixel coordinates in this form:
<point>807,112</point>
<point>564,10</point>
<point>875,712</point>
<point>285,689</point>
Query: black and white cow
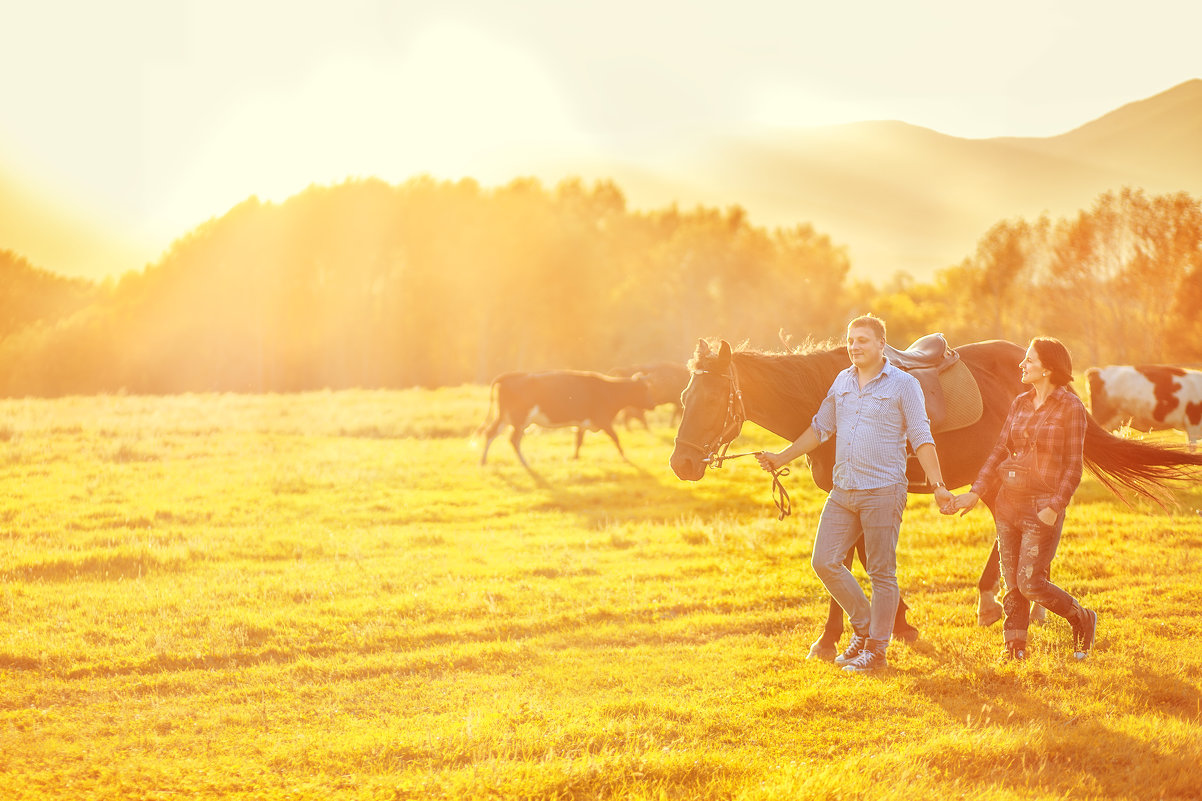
<point>1148,398</point>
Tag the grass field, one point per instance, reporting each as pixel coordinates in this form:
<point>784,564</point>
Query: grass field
<point>324,595</point>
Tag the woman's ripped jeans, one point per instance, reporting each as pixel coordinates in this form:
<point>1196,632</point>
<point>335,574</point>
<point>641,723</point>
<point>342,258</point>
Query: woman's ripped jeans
<point>1027,546</point>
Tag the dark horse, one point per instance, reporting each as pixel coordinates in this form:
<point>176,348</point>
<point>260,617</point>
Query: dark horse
<point>781,392</point>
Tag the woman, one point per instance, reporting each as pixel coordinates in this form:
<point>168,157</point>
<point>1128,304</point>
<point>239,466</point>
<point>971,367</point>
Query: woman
<point>1033,471</point>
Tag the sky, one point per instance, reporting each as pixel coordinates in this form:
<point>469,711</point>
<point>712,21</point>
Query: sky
<point>160,114</point>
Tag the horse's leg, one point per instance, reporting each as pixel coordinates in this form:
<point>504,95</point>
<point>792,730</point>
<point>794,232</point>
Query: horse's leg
<point>902,630</point>
<point>826,647</point>
<point>989,610</point>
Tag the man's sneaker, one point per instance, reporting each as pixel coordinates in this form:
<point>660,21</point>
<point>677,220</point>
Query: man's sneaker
<point>854,647</point>
<point>1083,633</point>
<point>868,661</point>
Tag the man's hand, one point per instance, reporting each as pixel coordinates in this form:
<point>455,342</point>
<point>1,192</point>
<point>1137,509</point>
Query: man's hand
<point>946,500</point>
<point>768,460</point>
<point>1047,516</point>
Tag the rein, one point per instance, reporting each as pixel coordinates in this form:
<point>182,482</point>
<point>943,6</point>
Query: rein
<point>779,495</point>
<point>732,425</point>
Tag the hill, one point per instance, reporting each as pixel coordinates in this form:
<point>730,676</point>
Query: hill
<point>33,297</point>
<point>908,198</point>
<point>900,197</point>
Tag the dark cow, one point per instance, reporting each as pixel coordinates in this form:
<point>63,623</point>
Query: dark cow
<point>667,380</point>
<point>1148,398</point>
<point>560,399</point>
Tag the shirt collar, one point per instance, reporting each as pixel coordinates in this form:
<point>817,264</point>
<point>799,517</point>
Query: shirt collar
<point>1058,394</point>
<point>888,370</point>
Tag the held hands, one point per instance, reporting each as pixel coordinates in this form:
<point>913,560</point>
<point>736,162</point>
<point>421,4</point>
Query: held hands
<point>945,499</point>
<point>962,504</point>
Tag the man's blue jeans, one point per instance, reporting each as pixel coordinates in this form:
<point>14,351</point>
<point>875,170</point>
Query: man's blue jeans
<point>877,514</point>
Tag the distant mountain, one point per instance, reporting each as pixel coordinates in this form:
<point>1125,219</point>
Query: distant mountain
<point>900,197</point>
<point>1160,136</point>
<point>907,198</point>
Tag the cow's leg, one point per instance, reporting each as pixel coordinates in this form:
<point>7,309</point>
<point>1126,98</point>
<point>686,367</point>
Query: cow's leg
<point>579,441</point>
<point>515,439</point>
<point>609,429</point>
<point>632,413</point>
<point>490,433</point>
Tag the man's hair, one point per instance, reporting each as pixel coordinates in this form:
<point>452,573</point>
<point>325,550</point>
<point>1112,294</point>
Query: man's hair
<point>870,321</point>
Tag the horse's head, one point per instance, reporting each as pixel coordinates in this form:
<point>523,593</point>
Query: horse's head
<point>713,411</point>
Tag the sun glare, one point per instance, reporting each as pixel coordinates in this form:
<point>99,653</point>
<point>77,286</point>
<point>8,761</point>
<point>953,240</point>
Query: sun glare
<point>772,104</point>
<point>459,103</point>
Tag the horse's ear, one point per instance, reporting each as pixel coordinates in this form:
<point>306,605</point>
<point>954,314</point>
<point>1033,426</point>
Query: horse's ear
<point>724,354</point>
<point>703,349</point>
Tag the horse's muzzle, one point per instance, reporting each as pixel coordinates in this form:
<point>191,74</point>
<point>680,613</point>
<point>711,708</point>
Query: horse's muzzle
<point>687,467</point>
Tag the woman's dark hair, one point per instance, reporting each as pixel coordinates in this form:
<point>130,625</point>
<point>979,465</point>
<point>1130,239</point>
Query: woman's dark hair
<point>1054,357</point>
<point>1119,463</point>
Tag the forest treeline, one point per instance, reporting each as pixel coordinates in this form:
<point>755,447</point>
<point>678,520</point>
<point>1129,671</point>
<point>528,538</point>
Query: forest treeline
<point>367,284</point>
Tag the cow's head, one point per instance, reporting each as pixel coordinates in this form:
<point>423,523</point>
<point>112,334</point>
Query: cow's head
<point>644,394</point>
<point>706,415</point>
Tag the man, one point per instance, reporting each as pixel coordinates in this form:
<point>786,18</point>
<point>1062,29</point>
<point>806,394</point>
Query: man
<point>872,409</point>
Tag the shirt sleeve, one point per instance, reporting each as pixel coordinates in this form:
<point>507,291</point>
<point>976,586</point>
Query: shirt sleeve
<point>987,478</point>
<point>914,410</point>
<point>1072,463</point>
<point>824,421</point>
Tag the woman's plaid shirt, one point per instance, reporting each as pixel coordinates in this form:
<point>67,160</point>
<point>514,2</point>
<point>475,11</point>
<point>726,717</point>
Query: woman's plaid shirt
<point>1055,430</point>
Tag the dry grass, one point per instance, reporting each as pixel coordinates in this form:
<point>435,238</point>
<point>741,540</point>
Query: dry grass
<point>323,595</point>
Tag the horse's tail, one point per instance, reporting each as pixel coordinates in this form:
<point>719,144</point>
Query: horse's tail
<point>1148,470</point>
<point>492,395</point>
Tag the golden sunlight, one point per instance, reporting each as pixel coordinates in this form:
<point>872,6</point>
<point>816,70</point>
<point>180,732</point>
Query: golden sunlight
<point>460,103</point>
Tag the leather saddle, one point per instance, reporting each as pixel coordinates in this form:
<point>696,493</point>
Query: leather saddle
<point>940,373</point>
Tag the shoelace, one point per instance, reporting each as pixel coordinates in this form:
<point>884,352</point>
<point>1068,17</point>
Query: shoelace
<point>864,658</point>
<point>855,646</point>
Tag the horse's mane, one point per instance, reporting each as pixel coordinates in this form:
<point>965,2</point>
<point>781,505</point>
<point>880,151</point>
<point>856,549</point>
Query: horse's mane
<point>800,373</point>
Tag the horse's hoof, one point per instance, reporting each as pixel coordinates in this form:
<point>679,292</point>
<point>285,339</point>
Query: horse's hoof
<point>906,635</point>
<point>988,614</point>
<point>822,651</point>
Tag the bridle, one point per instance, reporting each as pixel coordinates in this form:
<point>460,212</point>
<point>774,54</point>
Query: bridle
<point>714,451</point>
